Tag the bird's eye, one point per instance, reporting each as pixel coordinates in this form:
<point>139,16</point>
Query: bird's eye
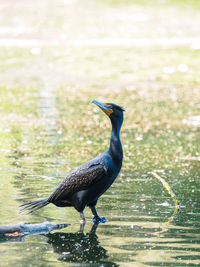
<point>108,105</point>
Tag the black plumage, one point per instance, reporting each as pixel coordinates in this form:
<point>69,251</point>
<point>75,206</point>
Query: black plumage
<point>83,186</point>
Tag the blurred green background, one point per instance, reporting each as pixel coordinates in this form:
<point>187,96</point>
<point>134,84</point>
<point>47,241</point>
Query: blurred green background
<point>57,56</point>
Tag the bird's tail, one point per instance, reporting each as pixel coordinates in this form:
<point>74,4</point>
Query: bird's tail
<point>34,205</point>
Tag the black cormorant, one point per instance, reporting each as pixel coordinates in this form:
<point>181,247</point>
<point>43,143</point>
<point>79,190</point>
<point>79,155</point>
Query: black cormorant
<point>83,186</point>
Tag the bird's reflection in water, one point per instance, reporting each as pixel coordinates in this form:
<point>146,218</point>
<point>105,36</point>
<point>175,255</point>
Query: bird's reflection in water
<point>79,247</point>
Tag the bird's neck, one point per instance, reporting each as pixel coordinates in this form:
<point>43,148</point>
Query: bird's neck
<point>115,143</point>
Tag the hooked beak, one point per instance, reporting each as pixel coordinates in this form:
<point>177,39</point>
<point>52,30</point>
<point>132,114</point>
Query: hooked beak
<point>107,109</point>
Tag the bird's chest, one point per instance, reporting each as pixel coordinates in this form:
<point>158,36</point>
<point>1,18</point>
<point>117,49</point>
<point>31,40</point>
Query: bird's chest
<point>114,168</point>
<point>99,187</point>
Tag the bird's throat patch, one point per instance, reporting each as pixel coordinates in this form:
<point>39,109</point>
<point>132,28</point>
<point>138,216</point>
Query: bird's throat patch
<point>108,111</point>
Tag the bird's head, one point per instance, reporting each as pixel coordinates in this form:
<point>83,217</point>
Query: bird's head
<point>113,111</point>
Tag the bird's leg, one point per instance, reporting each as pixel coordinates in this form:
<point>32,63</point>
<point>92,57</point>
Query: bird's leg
<point>82,226</point>
<point>97,218</point>
<point>94,228</point>
<point>82,221</point>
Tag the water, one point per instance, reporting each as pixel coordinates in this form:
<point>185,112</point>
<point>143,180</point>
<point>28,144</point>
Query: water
<point>49,126</point>
<point>143,229</point>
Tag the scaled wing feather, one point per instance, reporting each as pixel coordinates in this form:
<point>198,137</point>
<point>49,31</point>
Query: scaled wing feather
<point>80,179</point>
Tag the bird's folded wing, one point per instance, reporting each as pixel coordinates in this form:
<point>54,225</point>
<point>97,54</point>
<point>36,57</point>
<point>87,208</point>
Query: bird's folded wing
<point>80,179</point>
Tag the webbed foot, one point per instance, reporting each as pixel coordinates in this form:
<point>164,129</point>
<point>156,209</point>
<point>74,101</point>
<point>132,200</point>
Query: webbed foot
<point>98,219</point>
